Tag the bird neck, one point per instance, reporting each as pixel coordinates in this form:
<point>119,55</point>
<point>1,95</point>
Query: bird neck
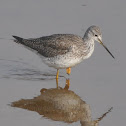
<point>89,45</point>
<point>88,40</point>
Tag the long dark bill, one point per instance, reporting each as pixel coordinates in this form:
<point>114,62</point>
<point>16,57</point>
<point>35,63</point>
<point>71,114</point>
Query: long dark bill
<point>106,48</point>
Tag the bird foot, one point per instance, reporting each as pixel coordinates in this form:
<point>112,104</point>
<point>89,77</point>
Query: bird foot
<point>68,70</point>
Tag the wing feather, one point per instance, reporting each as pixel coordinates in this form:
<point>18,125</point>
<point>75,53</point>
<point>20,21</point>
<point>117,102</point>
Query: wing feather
<point>50,46</point>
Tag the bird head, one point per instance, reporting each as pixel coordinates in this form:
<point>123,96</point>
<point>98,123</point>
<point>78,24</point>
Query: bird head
<point>94,32</point>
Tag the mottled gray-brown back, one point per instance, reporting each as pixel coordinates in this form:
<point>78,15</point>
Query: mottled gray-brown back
<point>53,45</point>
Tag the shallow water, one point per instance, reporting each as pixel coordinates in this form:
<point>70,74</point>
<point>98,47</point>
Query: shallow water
<point>100,80</point>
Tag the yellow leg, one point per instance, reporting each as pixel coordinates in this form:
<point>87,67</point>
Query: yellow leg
<point>67,84</point>
<point>57,83</point>
<point>57,75</point>
<point>68,70</point>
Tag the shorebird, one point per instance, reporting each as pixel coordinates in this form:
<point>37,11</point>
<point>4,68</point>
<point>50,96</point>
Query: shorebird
<point>63,51</point>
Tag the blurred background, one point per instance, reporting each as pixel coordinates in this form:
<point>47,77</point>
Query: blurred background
<point>99,80</point>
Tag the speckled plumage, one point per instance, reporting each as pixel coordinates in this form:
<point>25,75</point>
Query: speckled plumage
<point>53,45</point>
<point>63,50</point>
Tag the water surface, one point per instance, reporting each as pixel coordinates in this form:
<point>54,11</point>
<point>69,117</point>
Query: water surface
<point>100,80</point>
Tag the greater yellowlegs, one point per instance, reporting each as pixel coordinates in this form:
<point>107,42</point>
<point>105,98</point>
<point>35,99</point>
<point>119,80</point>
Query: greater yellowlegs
<point>63,51</point>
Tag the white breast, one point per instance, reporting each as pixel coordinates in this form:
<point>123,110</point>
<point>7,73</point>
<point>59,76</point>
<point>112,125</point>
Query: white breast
<point>61,62</point>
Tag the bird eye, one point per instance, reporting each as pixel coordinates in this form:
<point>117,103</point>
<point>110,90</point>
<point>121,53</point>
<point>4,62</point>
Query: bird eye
<point>96,35</point>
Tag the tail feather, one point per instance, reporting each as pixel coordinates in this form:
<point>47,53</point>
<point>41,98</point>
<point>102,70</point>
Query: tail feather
<point>25,42</point>
<point>19,39</point>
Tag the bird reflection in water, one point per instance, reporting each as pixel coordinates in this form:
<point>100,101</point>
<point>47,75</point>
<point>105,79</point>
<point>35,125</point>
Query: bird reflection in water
<point>60,104</point>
